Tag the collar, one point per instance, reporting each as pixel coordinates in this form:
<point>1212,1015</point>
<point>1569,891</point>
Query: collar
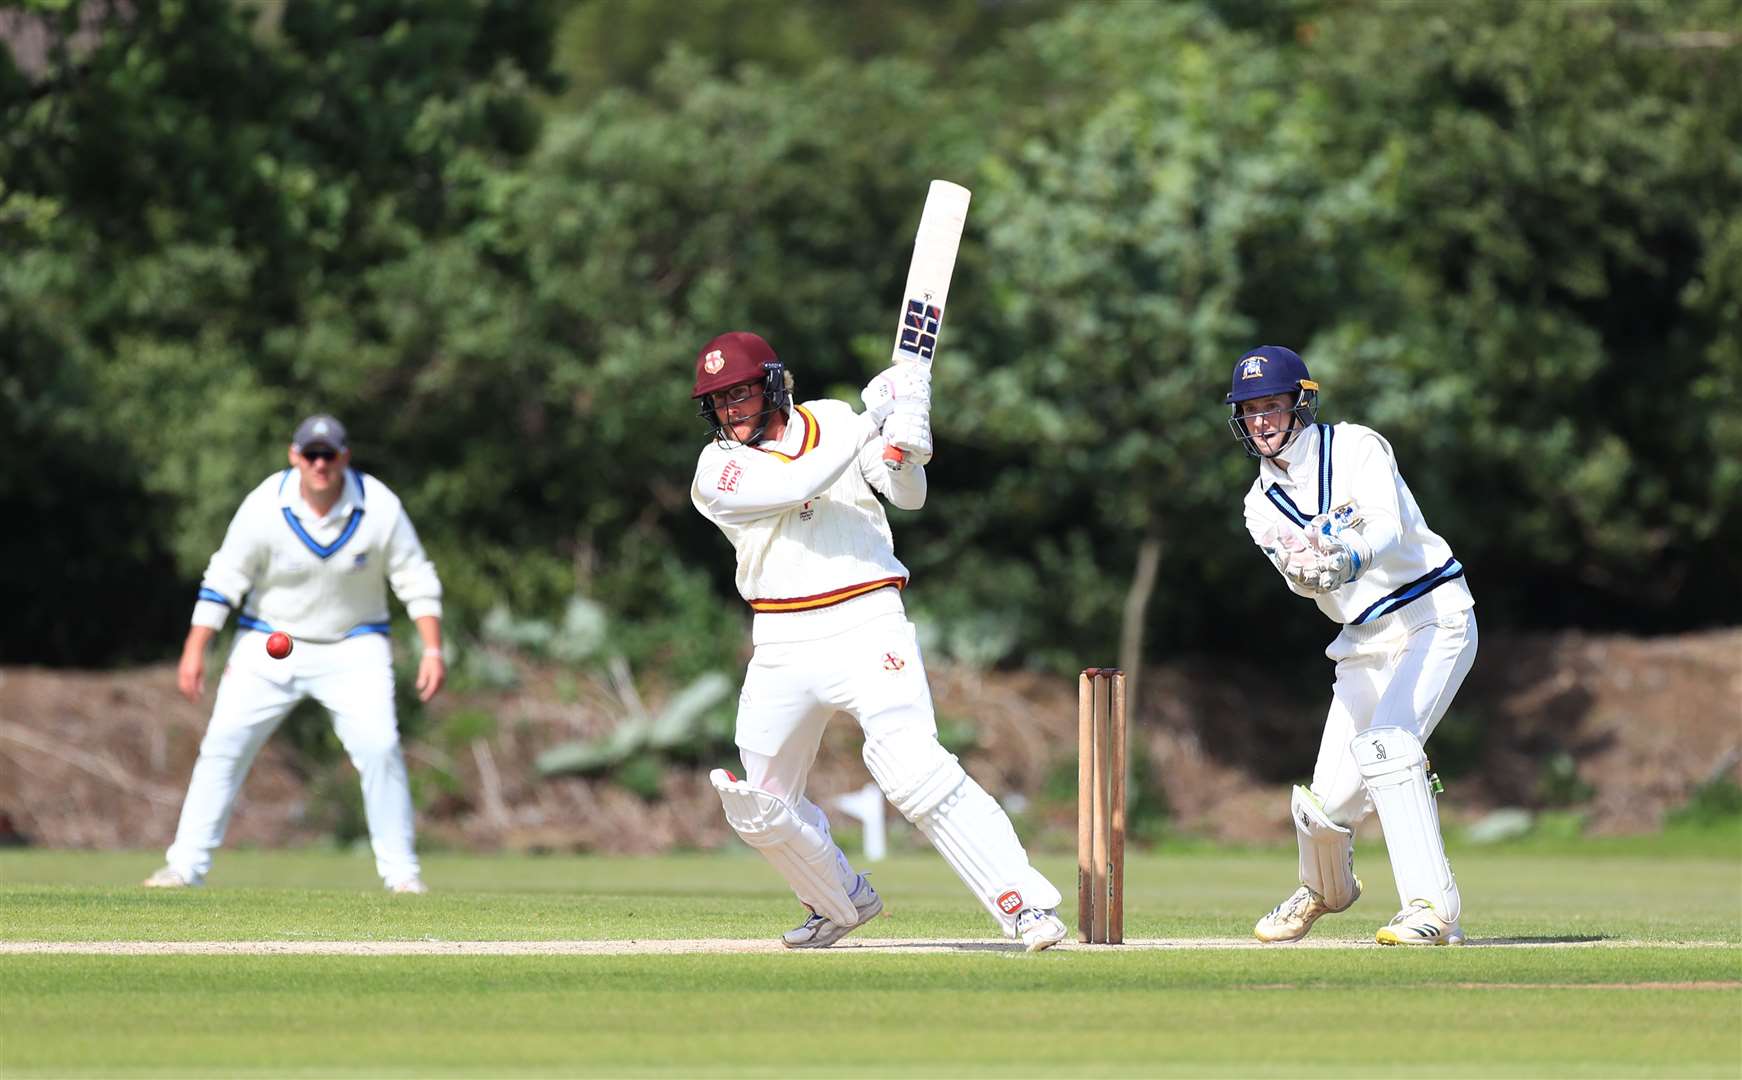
<point>1301,455</point>
<point>350,498</point>
<point>801,435</point>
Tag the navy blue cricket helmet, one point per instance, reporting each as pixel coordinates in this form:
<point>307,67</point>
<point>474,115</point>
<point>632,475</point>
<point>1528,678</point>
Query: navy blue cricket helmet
<point>1266,371</point>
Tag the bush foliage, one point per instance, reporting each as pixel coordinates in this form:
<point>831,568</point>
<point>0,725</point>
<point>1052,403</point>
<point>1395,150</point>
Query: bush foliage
<point>1502,232</point>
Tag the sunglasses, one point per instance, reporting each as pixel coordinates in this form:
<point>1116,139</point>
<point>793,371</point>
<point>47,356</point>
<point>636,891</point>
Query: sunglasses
<point>319,455</point>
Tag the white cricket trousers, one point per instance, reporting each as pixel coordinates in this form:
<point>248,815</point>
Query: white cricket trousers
<point>1402,673</point>
<point>874,672</point>
<point>353,678</point>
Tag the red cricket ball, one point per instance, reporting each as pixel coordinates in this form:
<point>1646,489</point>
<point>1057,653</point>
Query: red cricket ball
<point>278,645</point>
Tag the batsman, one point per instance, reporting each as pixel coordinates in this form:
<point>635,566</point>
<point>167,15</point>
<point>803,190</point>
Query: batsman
<point>795,488</point>
<point>1332,513</point>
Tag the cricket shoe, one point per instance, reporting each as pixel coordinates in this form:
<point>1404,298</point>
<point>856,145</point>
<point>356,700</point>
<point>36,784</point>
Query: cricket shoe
<point>1039,928</point>
<point>409,887</point>
<point>168,878</point>
<point>1291,919</point>
<point>819,931</point>
<point>1419,924</point>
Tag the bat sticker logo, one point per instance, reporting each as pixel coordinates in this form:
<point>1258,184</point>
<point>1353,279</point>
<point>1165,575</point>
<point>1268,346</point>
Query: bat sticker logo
<point>919,328</point>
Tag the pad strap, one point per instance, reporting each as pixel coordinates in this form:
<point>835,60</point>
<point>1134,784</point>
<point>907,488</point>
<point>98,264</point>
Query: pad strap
<point>1327,851</point>
<point>805,856</point>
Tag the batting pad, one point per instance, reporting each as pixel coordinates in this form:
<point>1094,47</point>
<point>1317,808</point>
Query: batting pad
<point>966,825</point>
<point>806,858</point>
<point>1394,766</point>
<point>1327,852</point>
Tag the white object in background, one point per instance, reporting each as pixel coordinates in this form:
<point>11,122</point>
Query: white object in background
<point>867,806</point>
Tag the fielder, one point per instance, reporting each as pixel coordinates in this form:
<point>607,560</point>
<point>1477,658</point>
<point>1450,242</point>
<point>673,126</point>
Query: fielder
<point>794,487</point>
<point>310,552</point>
<point>1334,516</point>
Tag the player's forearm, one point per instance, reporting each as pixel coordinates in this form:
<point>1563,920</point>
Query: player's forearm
<point>1375,503</point>
<point>749,486</point>
<point>198,639</point>
<point>411,574</point>
<point>231,570</point>
<point>905,488</point>
<point>221,590</point>
<point>429,631</point>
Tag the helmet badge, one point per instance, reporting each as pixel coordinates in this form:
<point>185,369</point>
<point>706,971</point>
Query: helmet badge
<point>713,362</point>
<point>1252,368</point>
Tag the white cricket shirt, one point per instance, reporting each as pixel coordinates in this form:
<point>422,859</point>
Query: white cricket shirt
<point>1336,465</point>
<point>815,554</point>
<point>318,578</point>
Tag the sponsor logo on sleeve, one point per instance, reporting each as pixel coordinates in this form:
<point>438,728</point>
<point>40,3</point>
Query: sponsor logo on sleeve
<point>891,662</point>
<point>729,476</point>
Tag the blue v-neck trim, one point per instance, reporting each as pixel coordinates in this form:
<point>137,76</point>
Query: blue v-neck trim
<point>326,551</point>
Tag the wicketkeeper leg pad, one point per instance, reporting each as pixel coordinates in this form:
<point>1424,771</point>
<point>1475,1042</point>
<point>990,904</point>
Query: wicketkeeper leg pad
<point>808,860</point>
<point>964,823</point>
<point>1327,852</point>
<point>1394,767</point>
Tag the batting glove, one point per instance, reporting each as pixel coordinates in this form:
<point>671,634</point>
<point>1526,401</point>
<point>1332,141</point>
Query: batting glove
<point>908,429</point>
<point>906,384</point>
<point>879,398</point>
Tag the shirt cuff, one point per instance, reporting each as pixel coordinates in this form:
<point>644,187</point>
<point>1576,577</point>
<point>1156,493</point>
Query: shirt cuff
<point>211,614</point>
<point>417,609</point>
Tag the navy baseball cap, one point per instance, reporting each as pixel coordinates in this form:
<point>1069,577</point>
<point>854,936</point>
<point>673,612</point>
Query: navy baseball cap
<point>319,430</point>
<point>1267,370</point>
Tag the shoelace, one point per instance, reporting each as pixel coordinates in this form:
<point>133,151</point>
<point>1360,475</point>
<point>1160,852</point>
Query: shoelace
<point>1026,920</point>
<point>1294,905</point>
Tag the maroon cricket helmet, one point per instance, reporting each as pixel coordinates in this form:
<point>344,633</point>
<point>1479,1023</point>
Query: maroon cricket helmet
<point>733,359</point>
<point>730,359</point>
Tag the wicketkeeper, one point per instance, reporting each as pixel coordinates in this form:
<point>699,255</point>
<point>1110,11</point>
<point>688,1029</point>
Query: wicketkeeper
<point>795,489</point>
<point>310,552</point>
<point>1335,518</point>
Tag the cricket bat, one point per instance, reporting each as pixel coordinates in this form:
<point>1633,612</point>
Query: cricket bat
<point>928,277</point>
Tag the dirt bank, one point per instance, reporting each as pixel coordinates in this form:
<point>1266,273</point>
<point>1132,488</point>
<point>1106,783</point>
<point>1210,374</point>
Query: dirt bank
<point>1620,729</point>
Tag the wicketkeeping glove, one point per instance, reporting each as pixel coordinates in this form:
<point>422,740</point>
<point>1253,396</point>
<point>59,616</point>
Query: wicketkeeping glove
<point>1286,546</point>
<point>1337,535</point>
<point>1332,568</point>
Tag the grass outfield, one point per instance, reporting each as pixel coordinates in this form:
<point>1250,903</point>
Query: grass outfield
<point>1615,962</point>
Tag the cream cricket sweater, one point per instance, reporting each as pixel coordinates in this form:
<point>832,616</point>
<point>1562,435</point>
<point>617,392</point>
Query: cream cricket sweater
<point>815,554</point>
